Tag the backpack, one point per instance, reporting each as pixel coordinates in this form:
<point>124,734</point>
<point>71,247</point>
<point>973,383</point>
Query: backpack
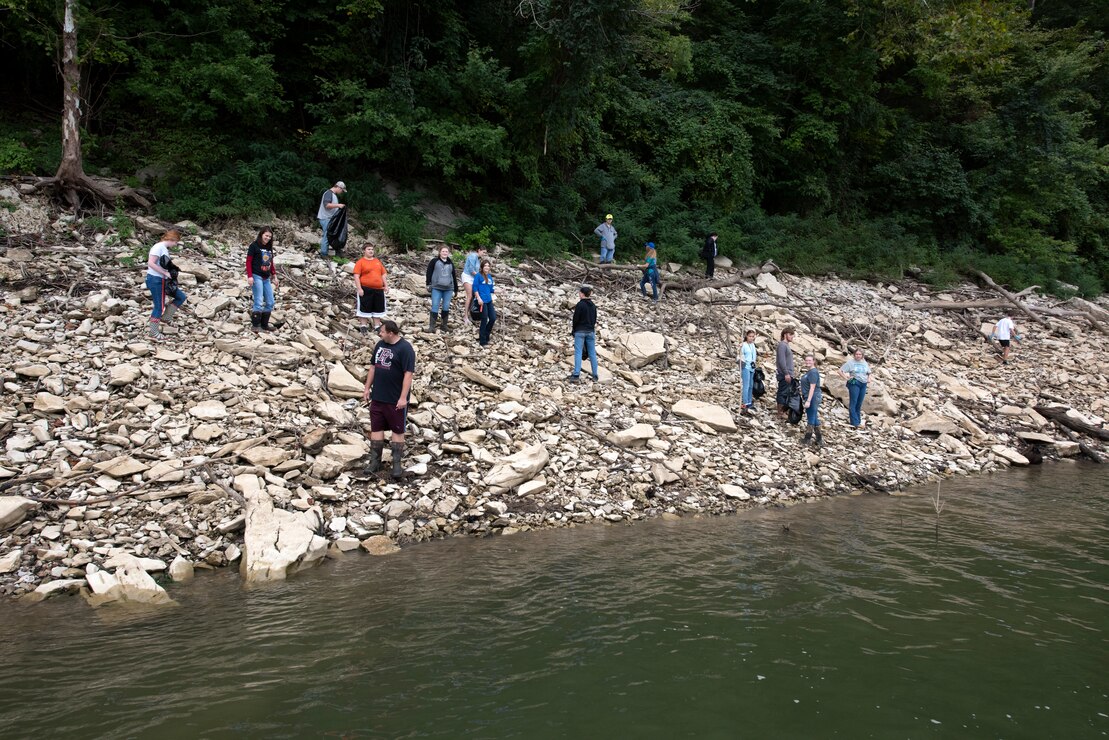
<point>758,383</point>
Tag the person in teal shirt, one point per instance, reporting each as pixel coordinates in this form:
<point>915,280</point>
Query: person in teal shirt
<point>748,356</point>
<point>856,372</point>
<point>650,272</point>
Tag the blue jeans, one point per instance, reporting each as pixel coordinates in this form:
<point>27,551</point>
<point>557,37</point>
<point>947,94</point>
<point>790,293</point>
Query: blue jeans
<point>748,385</point>
<point>811,413</point>
<point>157,287</point>
<point>263,294</point>
<point>856,392</point>
<point>441,298</point>
<point>607,253</point>
<point>488,318</point>
<point>585,340</point>
<point>650,276</point>
<point>323,242</point>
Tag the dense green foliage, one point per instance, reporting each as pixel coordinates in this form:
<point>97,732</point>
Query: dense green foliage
<point>868,136</point>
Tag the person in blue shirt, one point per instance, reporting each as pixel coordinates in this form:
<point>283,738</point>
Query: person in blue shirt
<point>483,289</point>
<point>748,356</point>
<point>650,272</point>
<point>470,270</point>
<point>810,395</point>
<point>856,372</point>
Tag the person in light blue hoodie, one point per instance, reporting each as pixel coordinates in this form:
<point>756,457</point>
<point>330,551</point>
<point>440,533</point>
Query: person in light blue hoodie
<point>607,232</point>
<point>748,356</point>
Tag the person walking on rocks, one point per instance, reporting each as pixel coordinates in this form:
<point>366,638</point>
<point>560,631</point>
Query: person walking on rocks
<point>810,392</point>
<point>442,283</point>
<point>709,252</point>
<point>783,367</point>
<point>483,289</point>
<point>856,372</point>
<point>650,272</point>
<point>261,275</point>
<point>1005,330</point>
<point>607,232</point>
<point>748,357</point>
<point>370,289</point>
<point>388,384</point>
<point>470,270</point>
<point>584,329</point>
<point>161,281</point>
<point>329,202</point>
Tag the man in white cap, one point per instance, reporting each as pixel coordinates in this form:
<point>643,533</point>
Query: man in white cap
<point>607,232</point>
<point>328,203</point>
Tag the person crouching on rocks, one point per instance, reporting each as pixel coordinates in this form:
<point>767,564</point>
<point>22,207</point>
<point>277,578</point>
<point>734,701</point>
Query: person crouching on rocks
<point>388,384</point>
<point>161,281</point>
<point>370,288</point>
<point>261,276</point>
<point>810,393</point>
<point>483,289</point>
<point>442,283</point>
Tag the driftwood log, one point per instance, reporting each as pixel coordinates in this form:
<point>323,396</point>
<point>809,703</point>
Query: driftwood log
<point>1059,416</point>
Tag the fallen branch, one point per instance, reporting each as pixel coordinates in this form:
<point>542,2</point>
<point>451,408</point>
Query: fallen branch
<point>1015,301</point>
<point>698,283</point>
<point>1059,416</point>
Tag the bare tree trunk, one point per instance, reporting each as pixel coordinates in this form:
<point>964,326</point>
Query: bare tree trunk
<point>71,171</point>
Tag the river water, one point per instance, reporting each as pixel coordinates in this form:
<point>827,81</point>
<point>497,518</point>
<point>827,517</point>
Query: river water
<point>855,617</point>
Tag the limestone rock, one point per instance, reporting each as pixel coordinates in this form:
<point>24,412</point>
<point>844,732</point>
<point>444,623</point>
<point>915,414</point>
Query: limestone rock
<point>379,545</point>
<point>11,560</point>
<point>209,411</point>
<point>122,375</point>
<point>327,348</point>
<point>717,417</point>
<point>181,570</point>
<point>768,282</point>
<point>1009,455</point>
<point>121,467</point>
<point>13,509</point>
<point>516,469</point>
<point>936,341</point>
<point>267,457</point>
<point>209,307</point>
<point>49,403</point>
<point>343,384</point>
<point>130,583</point>
<point>931,422</point>
<point>277,543</point>
<point>635,436</point>
<point>640,349</point>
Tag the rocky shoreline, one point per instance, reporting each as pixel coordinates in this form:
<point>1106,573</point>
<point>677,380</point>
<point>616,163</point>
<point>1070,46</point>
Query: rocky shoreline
<point>127,464</point>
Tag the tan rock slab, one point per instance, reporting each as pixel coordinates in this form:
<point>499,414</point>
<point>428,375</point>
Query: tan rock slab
<point>713,416</point>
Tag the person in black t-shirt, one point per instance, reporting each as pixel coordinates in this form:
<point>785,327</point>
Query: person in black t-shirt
<point>388,384</point>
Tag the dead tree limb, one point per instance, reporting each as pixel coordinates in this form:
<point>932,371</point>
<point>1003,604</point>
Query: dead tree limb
<point>1015,301</point>
<point>736,279</point>
<point>1059,416</point>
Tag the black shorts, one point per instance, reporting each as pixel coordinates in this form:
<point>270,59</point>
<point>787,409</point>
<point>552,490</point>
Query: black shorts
<point>387,417</point>
<point>371,303</point>
<point>1003,342</point>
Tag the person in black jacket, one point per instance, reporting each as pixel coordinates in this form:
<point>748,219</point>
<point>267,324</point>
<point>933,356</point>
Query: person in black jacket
<point>261,276</point>
<point>709,252</point>
<point>584,330</point>
<point>442,284</point>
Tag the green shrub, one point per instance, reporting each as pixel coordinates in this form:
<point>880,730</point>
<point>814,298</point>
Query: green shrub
<point>15,157</point>
<point>405,228</point>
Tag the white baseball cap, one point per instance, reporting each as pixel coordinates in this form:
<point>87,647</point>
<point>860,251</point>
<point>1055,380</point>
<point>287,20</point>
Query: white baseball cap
<point>341,185</point>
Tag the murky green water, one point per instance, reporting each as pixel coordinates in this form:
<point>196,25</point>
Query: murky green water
<point>859,620</point>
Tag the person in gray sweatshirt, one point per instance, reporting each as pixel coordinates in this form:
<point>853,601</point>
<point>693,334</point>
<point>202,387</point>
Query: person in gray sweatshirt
<point>607,232</point>
<point>442,283</point>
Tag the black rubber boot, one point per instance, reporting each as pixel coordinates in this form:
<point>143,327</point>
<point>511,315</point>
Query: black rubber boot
<point>255,321</point>
<point>376,446</point>
<point>431,322</point>
<point>398,455</point>
<point>808,434</point>
<point>443,320</point>
<point>819,438</point>
<point>264,321</point>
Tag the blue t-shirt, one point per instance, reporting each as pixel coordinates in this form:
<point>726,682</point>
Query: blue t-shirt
<point>856,369</point>
<point>484,289</point>
<point>809,379</point>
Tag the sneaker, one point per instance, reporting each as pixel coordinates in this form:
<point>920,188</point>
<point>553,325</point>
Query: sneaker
<point>571,378</point>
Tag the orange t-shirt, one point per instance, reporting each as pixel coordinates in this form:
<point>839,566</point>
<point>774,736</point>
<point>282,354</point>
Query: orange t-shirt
<point>371,273</point>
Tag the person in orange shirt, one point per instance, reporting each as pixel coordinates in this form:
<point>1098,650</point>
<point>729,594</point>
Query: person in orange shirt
<point>371,287</point>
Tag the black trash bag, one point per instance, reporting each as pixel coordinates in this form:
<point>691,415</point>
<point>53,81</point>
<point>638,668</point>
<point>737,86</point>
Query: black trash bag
<point>174,271</point>
<point>337,231</point>
<point>475,309</point>
<point>793,402</point>
<point>758,383</point>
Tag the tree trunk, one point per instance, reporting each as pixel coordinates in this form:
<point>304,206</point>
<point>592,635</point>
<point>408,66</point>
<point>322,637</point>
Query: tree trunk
<point>71,171</point>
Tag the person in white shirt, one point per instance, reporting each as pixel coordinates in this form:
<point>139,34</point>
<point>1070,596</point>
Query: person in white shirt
<point>1005,330</point>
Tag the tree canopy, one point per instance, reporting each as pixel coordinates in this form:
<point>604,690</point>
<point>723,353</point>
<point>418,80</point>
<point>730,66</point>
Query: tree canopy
<point>870,136</point>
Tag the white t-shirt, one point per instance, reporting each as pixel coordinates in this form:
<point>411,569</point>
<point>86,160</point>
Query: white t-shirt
<point>1005,328</point>
<point>159,250</point>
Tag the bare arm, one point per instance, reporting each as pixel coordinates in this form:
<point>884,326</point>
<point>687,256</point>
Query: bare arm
<point>357,284</point>
<point>369,384</point>
<point>152,263</point>
<point>405,387</point>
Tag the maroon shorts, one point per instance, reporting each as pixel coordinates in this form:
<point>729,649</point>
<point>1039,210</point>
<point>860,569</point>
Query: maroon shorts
<point>386,416</point>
